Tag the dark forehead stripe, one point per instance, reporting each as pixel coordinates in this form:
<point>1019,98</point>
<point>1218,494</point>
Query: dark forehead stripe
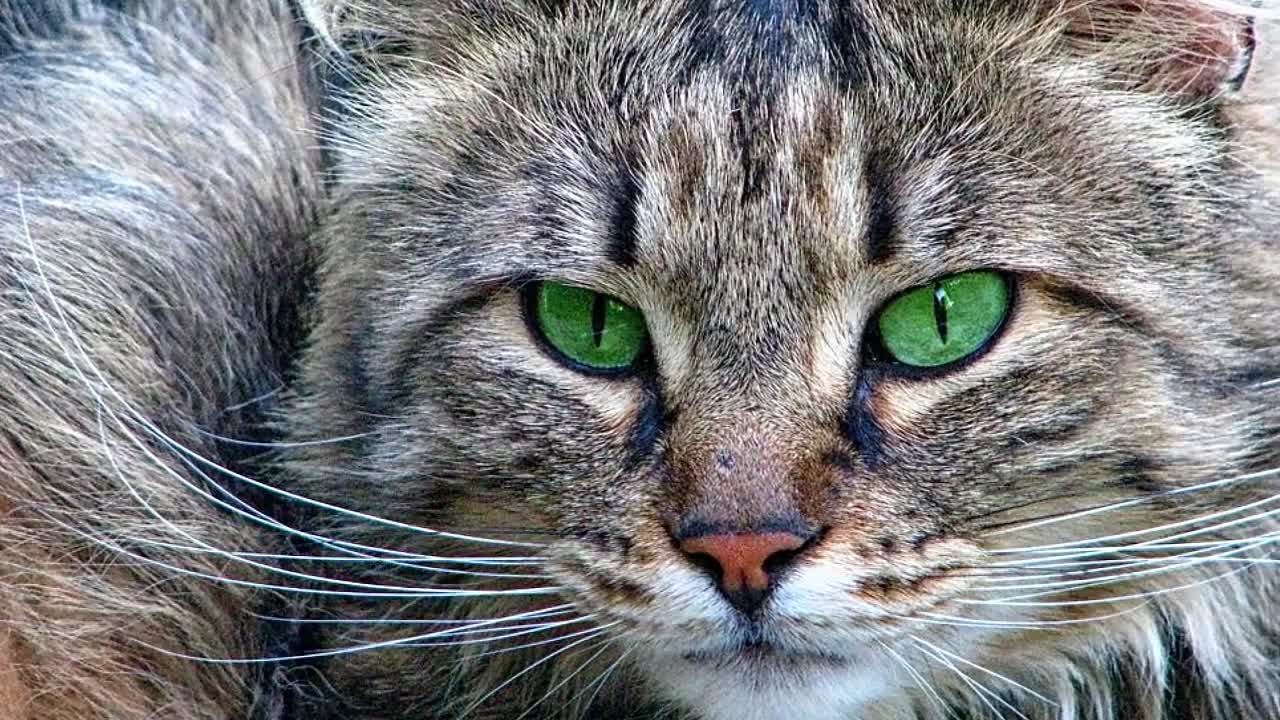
<point>882,219</point>
<point>760,44</point>
<point>624,195</point>
<point>757,47</point>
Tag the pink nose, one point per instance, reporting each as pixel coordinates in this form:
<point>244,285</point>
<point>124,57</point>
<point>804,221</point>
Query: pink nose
<point>743,562</point>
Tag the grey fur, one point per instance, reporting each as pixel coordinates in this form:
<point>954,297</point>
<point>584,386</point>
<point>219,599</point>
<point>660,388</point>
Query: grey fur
<point>758,178</point>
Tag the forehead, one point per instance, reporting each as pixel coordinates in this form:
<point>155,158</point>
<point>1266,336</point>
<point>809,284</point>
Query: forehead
<point>721,147</point>
<point>712,117</point>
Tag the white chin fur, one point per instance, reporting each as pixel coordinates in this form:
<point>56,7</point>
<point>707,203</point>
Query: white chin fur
<point>714,691</point>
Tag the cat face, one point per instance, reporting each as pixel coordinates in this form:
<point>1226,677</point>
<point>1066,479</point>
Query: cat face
<point>764,495</point>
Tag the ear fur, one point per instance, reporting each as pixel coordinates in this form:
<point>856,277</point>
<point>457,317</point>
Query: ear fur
<point>1189,50</point>
<point>366,28</point>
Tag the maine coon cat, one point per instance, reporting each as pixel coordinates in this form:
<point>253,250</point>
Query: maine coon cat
<point>705,359</point>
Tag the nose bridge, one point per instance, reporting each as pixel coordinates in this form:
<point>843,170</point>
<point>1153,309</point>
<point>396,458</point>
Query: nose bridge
<point>739,511</point>
<point>734,473</point>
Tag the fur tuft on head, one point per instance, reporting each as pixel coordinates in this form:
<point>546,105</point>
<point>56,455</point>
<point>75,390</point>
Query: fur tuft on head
<point>1187,49</point>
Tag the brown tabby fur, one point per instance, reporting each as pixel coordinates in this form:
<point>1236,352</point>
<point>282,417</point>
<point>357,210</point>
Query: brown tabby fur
<point>210,235</point>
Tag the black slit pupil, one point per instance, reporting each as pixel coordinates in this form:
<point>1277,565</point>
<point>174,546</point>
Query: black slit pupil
<point>599,313</point>
<point>940,311</point>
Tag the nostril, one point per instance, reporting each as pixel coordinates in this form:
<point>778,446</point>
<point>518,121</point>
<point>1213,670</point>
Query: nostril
<point>742,564</point>
<point>781,559</point>
<point>777,562</point>
<point>707,564</point>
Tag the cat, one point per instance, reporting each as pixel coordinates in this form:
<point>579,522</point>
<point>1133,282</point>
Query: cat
<point>827,360</point>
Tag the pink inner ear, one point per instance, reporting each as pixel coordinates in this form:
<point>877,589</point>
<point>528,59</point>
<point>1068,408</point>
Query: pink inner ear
<point>1191,50</point>
<point>1216,53</point>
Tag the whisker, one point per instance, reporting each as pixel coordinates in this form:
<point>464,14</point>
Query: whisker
<point>408,560</point>
<point>599,682</point>
<point>567,679</point>
<point>1096,567</point>
<point>377,587</point>
<point>555,611</point>
<point>540,643</point>
<point>278,444</point>
<point>179,447</point>
<point>915,674</point>
<point>1083,545</point>
<point>252,401</point>
<point>318,504</point>
<point>533,666</point>
<point>1249,477</point>
<point>384,592</point>
<point>931,618</point>
<point>250,558</point>
<point>980,690</point>
<point>1145,595</point>
<point>366,647</point>
<point>521,631</point>
<point>988,671</point>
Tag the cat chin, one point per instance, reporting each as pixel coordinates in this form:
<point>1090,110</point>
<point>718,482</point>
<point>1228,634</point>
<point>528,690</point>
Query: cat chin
<point>775,688</point>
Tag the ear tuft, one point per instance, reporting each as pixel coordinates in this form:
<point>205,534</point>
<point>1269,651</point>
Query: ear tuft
<point>1190,50</point>
<point>322,16</point>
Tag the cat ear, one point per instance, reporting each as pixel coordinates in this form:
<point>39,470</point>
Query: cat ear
<point>323,18</point>
<point>358,28</point>
<point>1191,50</point>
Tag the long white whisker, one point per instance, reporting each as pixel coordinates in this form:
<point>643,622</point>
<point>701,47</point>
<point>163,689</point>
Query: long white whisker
<point>533,666</point>
<point>599,682</point>
<point>378,588</point>
<point>920,680</point>
<point>179,447</point>
<point>1144,595</point>
<point>931,618</point>
<point>324,653</point>
<point>540,643</point>
<point>502,633</point>
<point>1260,475</point>
<point>555,611</point>
<point>279,444</point>
<point>1077,545</point>
<point>565,681</point>
<point>320,578</point>
<point>384,592</point>
<point>988,671</point>
<point>980,690</point>
<point>1095,571</point>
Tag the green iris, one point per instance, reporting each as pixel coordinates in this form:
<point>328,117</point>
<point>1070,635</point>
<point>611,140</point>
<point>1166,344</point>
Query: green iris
<point>594,330</point>
<point>945,321</point>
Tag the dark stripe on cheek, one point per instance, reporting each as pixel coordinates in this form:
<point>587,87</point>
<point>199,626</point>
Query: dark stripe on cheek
<point>1139,472</point>
<point>861,426</point>
<point>350,362</point>
<point>648,427</point>
<point>414,345</point>
<point>1094,302</point>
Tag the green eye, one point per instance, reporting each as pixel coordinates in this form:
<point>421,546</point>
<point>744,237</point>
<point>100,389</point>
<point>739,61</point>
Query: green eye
<point>946,320</point>
<point>593,330</point>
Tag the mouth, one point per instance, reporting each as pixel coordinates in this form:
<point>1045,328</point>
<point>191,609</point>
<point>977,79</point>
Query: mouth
<point>764,653</point>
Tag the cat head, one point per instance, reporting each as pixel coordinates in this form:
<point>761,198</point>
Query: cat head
<point>801,340</point>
